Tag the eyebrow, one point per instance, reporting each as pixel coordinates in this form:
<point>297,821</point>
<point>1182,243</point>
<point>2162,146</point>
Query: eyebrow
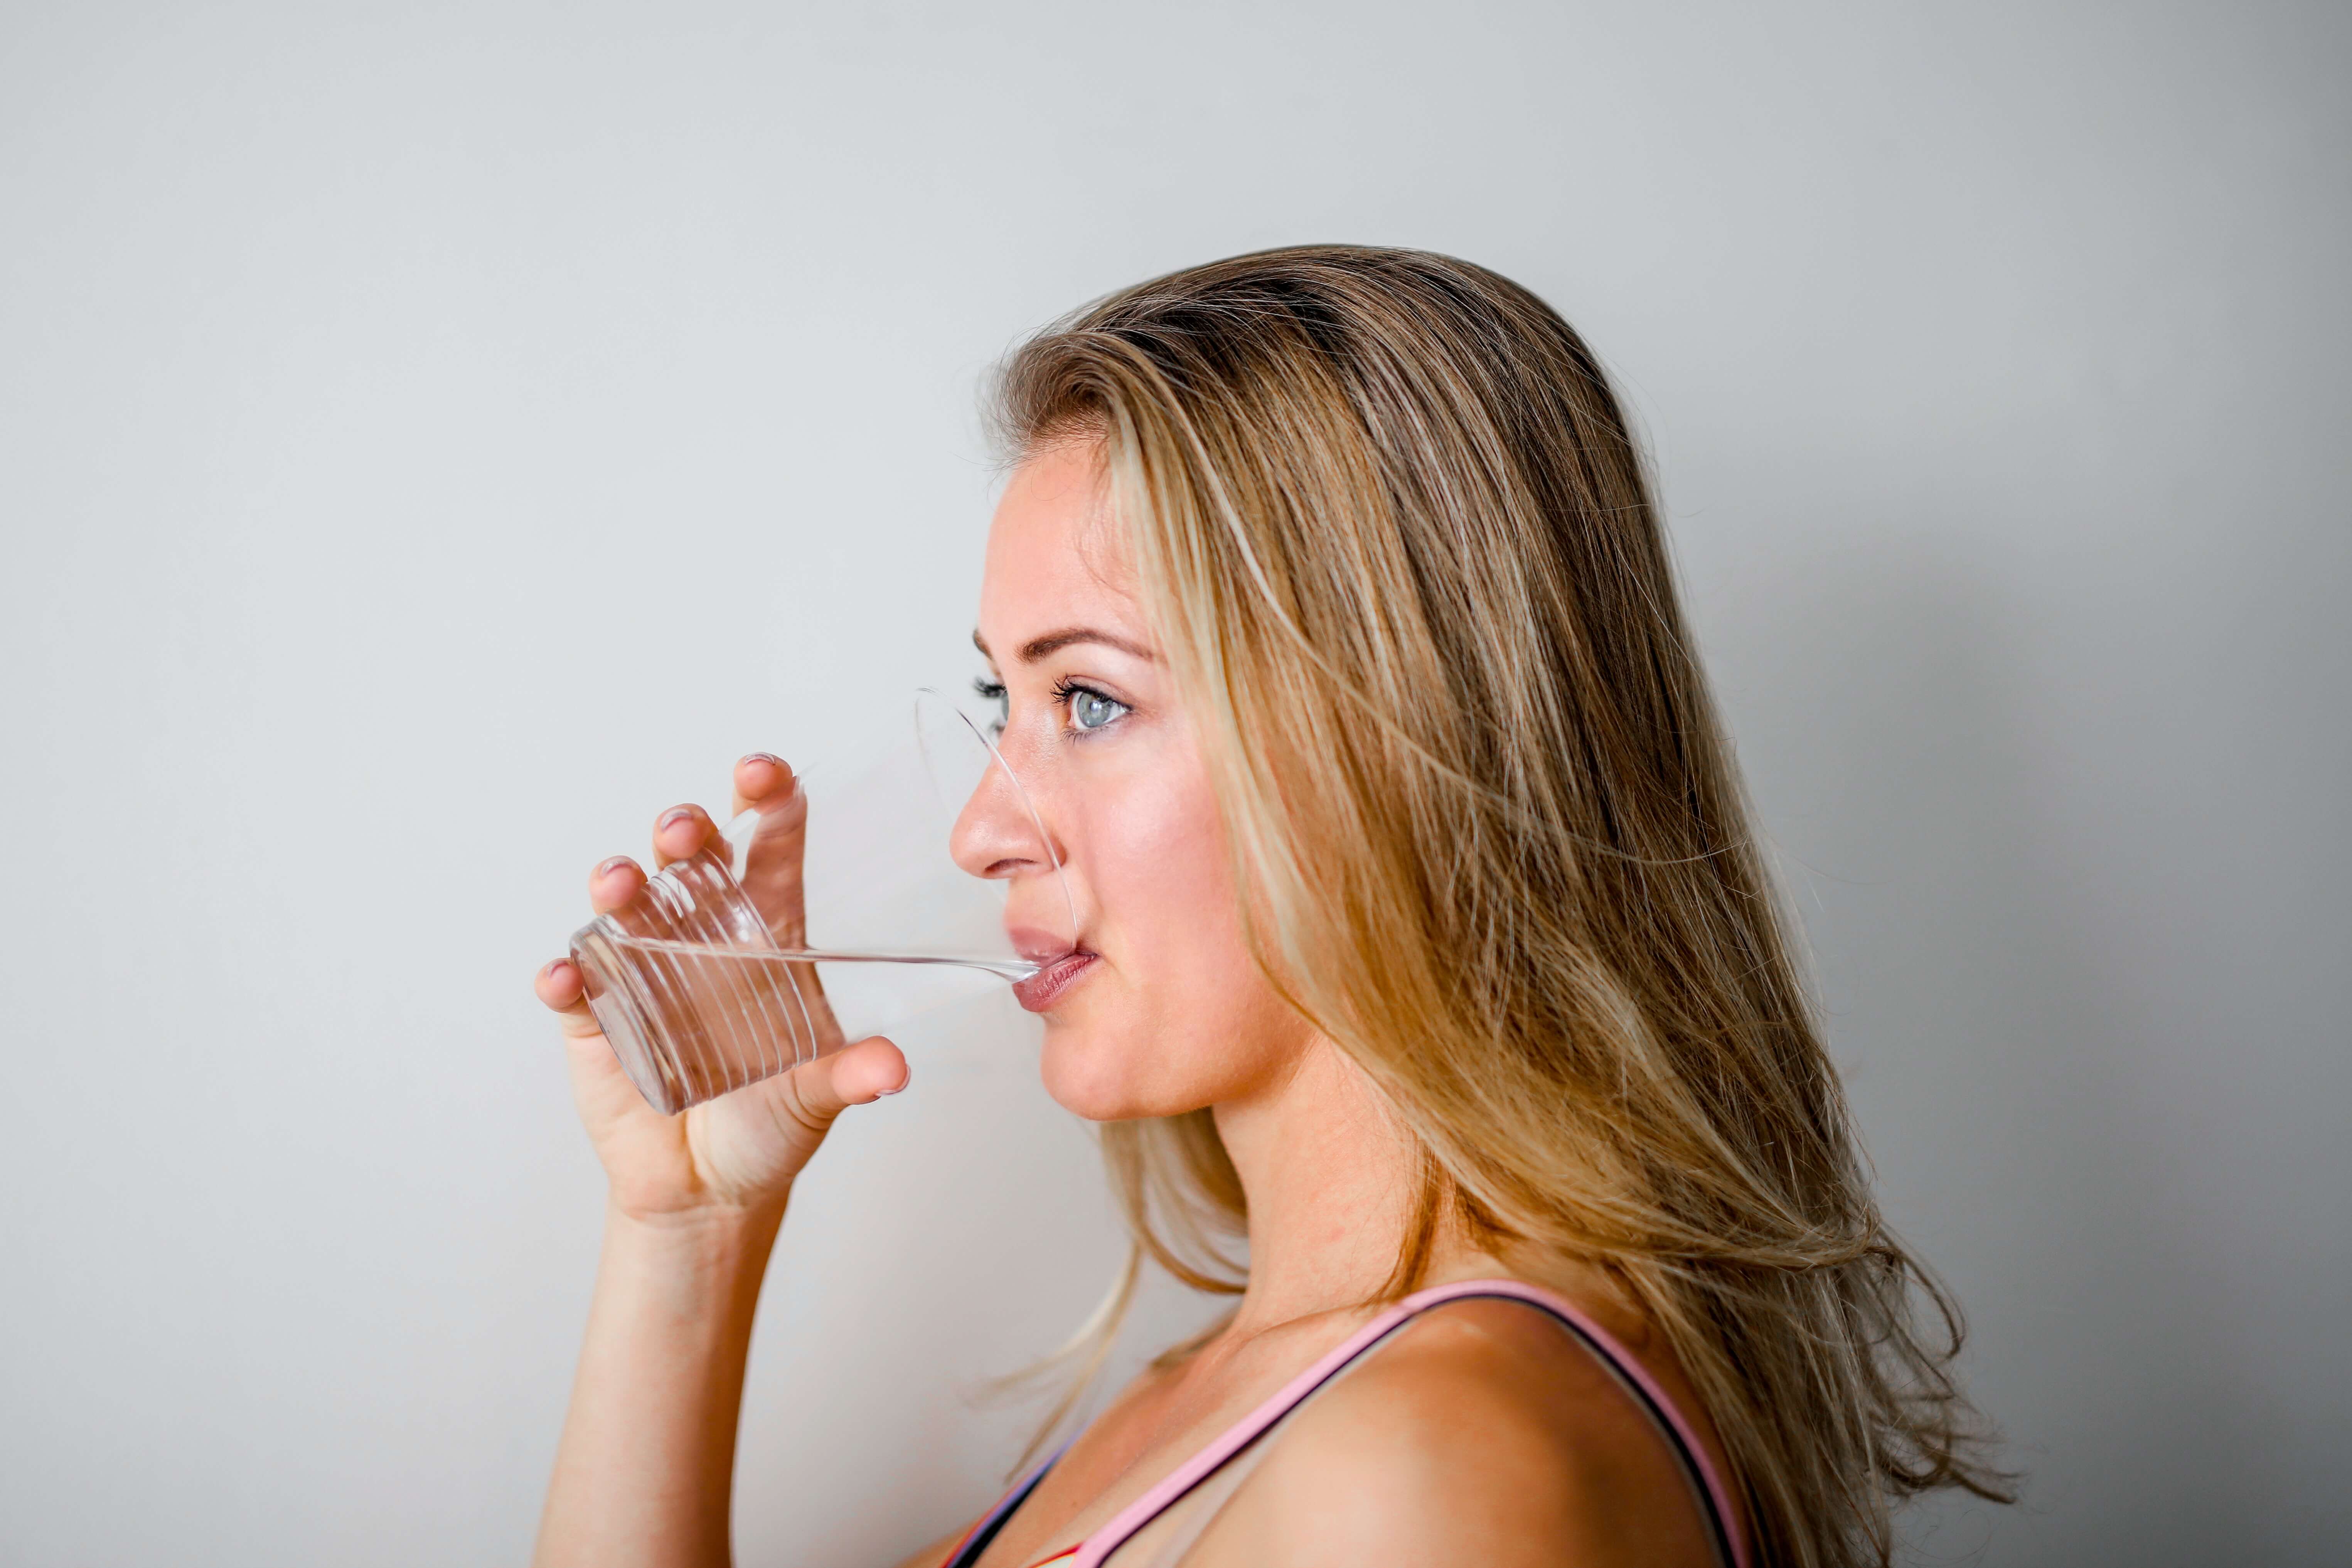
<point>1037,648</point>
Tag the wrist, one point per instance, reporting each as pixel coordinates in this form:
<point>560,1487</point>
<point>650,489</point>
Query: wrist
<point>691,1212</point>
<point>704,1227</point>
<point>705,1262</point>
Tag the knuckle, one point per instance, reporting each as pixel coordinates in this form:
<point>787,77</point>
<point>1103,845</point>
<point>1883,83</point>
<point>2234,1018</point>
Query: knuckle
<point>797,1113</point>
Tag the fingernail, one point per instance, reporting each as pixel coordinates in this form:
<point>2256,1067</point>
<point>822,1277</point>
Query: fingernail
<point>547,971</point>
<point>768,757</point>
<point>902,1083</point>
<point>615,864</point>
<point>675,815</point>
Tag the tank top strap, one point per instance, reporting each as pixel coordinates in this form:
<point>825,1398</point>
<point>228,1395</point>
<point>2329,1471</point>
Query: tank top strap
<point>1707,1486</point>
<point>976,1539</point>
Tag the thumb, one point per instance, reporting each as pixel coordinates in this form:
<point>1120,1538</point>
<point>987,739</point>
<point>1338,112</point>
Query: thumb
<point>816,1092</point>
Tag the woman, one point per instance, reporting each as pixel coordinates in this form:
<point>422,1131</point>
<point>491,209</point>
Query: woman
<point>1423,941</point>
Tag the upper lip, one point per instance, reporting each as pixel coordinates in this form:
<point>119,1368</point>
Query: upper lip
<point>1041,947</point>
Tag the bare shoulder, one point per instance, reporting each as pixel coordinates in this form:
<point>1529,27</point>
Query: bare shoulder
<point>1481,1433</point>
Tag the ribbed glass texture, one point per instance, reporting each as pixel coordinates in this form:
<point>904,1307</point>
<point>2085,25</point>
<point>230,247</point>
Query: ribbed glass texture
<point>693,993</point>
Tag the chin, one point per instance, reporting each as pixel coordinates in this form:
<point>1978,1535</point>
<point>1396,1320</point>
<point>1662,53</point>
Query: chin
<point>1114,1075</point>
<point>1090,1077</point>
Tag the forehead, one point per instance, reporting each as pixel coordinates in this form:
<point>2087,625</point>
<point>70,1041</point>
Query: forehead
<point>1056,557</point>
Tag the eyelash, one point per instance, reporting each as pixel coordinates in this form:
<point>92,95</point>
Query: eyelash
<point>1064,689</point>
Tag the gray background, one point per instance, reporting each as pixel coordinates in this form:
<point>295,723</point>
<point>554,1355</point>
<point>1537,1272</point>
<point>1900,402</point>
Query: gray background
<point>431,438</point>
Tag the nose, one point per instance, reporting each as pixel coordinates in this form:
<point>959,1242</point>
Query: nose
<point>996,835</point>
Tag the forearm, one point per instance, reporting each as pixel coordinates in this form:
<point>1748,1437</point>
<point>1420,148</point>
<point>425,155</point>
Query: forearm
<point>647,1463</point>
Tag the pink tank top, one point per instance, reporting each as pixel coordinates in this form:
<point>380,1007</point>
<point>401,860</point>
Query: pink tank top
<point>1708,1491</point>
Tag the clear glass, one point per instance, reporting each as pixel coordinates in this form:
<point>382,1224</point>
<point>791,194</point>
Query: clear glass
<point>822,920</point>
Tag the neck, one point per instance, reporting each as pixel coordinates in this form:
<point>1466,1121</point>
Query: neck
<point>1331,1176</point>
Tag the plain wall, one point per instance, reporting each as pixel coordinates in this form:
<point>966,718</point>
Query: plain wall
<point>434,438</point>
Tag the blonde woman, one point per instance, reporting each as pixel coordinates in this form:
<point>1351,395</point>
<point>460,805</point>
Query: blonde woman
<point>1424,942</point>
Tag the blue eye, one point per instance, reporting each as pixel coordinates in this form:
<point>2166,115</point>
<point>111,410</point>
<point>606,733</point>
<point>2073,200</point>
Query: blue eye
<point>1091,711</point>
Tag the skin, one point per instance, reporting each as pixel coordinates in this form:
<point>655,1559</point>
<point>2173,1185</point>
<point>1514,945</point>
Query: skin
<point>1480,1433</point>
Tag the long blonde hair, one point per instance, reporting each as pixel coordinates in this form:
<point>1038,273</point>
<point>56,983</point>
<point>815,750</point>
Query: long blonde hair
<point>1398,543</point>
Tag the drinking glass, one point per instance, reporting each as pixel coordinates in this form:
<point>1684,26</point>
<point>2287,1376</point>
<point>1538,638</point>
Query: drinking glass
<point>831,915</point>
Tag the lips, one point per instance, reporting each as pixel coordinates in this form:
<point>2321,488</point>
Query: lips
<point>1042,989</point>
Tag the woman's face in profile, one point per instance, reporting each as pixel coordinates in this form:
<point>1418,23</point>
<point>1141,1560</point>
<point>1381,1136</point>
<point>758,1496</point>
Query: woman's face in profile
<point>1160,1010</point>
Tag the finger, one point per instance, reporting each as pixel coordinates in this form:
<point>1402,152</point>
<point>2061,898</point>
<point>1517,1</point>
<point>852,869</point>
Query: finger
<point>816,1092</point>
<point>758,778</point>
<point>679,832</point>
<point>770,864</point>
<point>565,990</point>
<point>615,883</point>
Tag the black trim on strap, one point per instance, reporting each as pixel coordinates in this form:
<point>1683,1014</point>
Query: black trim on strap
<point>1718,1527</point>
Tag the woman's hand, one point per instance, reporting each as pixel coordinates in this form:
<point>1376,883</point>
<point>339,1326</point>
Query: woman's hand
<point>736,1154</point>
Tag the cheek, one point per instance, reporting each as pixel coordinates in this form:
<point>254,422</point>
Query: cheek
<point>1178,1017</point>
<point>1166,886</point>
